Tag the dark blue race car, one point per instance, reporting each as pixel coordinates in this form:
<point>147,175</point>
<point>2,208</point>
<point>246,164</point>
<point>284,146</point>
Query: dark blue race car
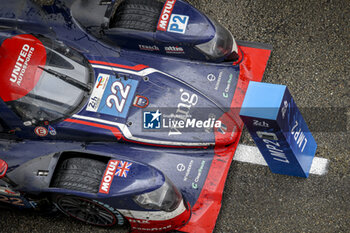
<point>120,112</point>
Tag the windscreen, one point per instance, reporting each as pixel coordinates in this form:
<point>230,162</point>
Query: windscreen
<point>43,80</point>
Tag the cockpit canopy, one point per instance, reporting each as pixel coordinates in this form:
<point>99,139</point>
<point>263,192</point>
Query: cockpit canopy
<point>43,80</point>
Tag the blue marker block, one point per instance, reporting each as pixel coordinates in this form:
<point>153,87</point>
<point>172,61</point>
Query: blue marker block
<point>278,129</point>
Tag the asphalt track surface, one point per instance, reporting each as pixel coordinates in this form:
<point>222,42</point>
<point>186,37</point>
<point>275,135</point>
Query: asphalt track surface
<point>311,55</point>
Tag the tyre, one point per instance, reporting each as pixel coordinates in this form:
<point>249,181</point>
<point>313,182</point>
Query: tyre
<point>83,174</point>
<point>80,174</point>
<point>88,211</point>
<point>140,15</point>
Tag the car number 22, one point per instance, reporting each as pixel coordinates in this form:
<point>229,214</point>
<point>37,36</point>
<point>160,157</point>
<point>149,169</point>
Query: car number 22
<point>113,99</point>
<point>11,200</point>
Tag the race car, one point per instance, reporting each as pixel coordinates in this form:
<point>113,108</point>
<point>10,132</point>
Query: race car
<point>120,112</point>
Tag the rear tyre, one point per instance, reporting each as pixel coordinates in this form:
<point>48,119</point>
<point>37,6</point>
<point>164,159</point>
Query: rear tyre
<point>140,15</point>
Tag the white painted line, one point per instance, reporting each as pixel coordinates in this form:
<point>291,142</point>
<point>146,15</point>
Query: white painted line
<point>251,154</point>
<point>319,166</point>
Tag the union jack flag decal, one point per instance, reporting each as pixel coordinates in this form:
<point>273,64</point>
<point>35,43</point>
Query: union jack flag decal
<point>123,169</point>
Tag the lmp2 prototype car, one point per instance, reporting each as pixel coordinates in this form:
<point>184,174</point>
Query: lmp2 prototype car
<point>120,112</point>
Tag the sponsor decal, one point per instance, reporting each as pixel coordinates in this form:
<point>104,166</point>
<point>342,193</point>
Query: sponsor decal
<point>222,129</point>
<point>97,93</point>
<point>219,81</point>
<point>108,176</point>
<point>183,108</point>
<point>112,96</point>
<point>153,228</point>
<point>41,131</point>
<point>180,167</point>
<point>227,89</point>
<point>123,169</point>
<point>140,101</point>
<point>3,168</point>
<point>52,130</point>
<point>174,50</point>
<point>149,48</point>
<point>165,15</point>
<point>211,77</point>
<point>178,23</point>
<point>152,120</point>
<point>189,168</point>
<point>21,55</point>
<point>140,221</point>
<point>199,174</point>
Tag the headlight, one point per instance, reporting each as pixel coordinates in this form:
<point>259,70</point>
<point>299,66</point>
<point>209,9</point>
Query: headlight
<point>223,44</point>
<point>165,198</point>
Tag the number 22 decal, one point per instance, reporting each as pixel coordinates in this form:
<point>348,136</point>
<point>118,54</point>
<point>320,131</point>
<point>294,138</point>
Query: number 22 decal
<point>11,200</point>
<point>114,99</point>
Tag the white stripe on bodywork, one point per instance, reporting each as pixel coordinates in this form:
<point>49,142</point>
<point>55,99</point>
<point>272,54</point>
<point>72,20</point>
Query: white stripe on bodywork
<point>251,154</point>
<point>144,72</point>
<point>154,215</point>
<point>127,134</point>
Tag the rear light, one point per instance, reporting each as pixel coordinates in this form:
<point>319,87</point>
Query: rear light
<point>3,168</point>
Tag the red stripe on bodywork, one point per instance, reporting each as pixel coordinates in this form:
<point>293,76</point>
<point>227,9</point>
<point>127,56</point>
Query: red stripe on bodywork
<point>136,68</point>
<point>207,208</point>
<point>116,132</point>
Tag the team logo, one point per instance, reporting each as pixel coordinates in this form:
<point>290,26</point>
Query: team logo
<point>21,56</point>
<point>152,120</point>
